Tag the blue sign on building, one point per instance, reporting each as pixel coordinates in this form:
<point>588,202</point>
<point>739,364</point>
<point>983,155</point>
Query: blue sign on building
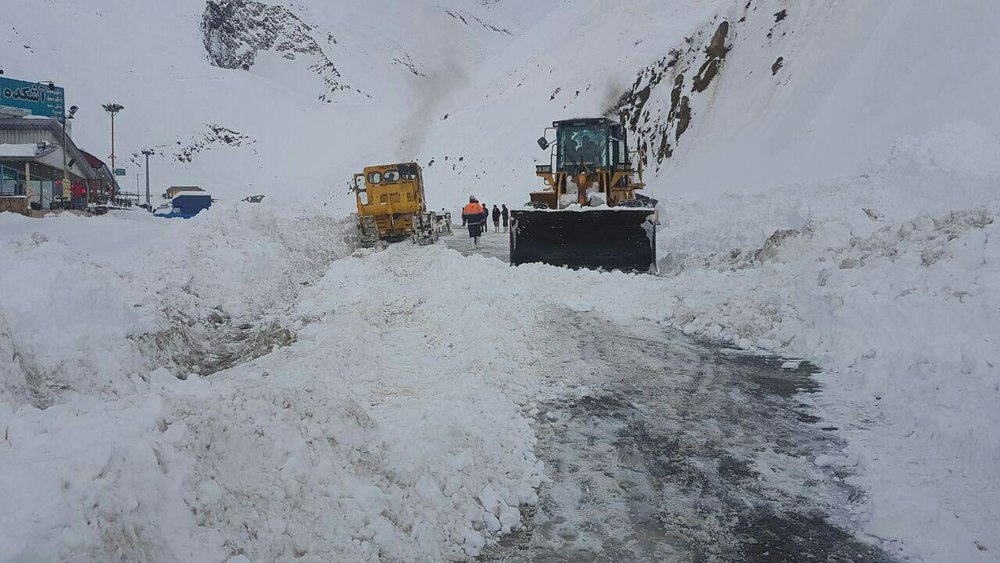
<point>18,97</point>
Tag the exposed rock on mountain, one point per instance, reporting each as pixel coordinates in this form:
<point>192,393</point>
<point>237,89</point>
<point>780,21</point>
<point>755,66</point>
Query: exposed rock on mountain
<point>647,120</point>
<point>215,135</point>
<point>469,19</point>
<point>236,31</point>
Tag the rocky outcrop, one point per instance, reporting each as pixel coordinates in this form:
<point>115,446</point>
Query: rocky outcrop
<point>214,135</point>
<point>659,134</point>
<point>716,53</point>
<point>236,31</point>
<point>469,19</point>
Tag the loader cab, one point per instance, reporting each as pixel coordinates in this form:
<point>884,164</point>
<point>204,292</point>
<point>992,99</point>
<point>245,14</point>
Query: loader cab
<point>589,164</point>
<point>588,145</point>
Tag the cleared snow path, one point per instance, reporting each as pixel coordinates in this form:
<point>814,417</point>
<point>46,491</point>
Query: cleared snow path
<point>660,447</point>
<point>671,449</point>
<point>490,244</point>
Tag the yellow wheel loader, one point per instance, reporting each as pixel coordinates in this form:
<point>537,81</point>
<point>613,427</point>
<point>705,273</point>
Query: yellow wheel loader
<point>391,206</point>
<point>589,214</point>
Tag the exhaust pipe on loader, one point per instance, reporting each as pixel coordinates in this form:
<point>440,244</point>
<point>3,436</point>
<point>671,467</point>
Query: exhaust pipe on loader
<point>619,238</point>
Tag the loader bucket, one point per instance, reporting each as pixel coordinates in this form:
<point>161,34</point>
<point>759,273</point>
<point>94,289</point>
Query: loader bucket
<point>610,239</point>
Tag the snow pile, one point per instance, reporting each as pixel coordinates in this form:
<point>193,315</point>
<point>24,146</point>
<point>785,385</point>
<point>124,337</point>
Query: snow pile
<point>225,287</point>
<point>892,288</point>
<point>434,459</point>
<point>351,438</point>
<point>67,316</point>
<point>95,480</point>
<point>115,285</point>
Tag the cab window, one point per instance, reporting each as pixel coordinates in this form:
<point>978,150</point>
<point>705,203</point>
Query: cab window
<point>583,146</point>
<point>409,171</point>
<point>391,176</point>
<point>374,177</point>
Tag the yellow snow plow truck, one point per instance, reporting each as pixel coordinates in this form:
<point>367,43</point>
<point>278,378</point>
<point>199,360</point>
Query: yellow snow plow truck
<point>391,206</point>
<point>589,214</point>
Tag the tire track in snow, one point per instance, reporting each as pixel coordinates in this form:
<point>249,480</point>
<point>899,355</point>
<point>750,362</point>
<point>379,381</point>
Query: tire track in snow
<point>677,450</point>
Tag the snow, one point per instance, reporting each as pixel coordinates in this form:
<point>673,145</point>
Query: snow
<point>897,304</point>
<point>356,441</point>
<point>359,426</point>
<point>18,151</point>
<point>841,210</point>
<point>390,422</point>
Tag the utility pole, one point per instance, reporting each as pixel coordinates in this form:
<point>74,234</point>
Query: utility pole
<point>113,109</point>
<point>148,153</point>
<point>65,123</point>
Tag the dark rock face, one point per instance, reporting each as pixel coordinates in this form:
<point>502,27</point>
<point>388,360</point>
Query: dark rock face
<point>631,107</point>
<point>469,19</point>
<point>780,62</point>
<point>717,47</point>
<point>716,52</point>
<point>215,135</point>
<point>235,31</point>
<point>639,107</point>
<point>683,116</point>
<point>706,74</point>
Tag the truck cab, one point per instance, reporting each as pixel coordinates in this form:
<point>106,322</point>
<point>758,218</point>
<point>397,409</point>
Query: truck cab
<point>391,204</point>
<point>391,194</point>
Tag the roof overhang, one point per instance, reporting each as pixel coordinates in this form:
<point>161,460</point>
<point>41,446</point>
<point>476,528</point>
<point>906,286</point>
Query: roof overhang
<point>80,167</point>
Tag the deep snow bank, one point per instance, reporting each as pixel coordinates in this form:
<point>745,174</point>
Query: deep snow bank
<point>119,289</point>
<point>890,281</point>
<point>88,296</point>
<point>357,438</point>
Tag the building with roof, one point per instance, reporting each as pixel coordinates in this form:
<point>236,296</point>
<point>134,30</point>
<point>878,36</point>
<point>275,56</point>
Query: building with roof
<point>36,153</point>
<point>105,185</point>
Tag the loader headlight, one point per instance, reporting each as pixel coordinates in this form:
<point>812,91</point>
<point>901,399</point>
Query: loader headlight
<point>543,169</point>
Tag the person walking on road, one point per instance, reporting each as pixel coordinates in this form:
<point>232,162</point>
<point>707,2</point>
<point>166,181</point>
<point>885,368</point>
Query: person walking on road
<point>496,219</point>
<point>475,217</point>
<point>505,215</point>
<point>486,223</point>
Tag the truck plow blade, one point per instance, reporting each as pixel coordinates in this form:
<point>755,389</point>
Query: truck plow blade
<point>609,239</point>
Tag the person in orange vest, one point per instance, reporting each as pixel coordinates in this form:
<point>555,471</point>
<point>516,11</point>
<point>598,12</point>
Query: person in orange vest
<point>475,217</point>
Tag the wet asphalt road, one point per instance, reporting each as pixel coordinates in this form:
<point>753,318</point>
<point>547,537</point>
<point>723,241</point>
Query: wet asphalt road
<point>681,450</point>
<point>666,448</point>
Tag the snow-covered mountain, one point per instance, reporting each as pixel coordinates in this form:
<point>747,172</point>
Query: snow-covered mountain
<point>827,172</point>
<point>725,95</point>
<point>305,90</point>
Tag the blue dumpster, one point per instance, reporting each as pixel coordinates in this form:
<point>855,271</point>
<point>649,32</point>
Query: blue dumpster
<point>185,205</point>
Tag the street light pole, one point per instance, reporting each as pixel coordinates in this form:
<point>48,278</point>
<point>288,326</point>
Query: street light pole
<point>113,109</point>
<point>148,153</point>
<point>72,112</point>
